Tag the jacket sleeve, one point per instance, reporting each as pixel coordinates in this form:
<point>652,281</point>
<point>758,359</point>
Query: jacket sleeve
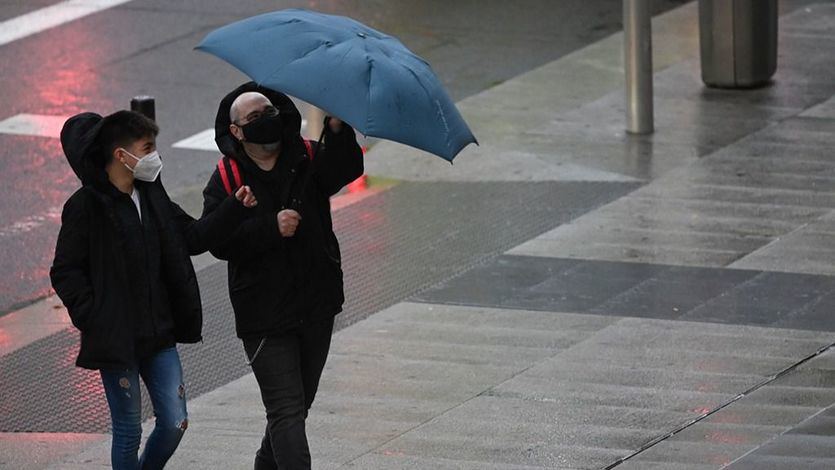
<point>70,273</point>
<point>211,229</point>
<point>339,162</point>
<point>252,237</point>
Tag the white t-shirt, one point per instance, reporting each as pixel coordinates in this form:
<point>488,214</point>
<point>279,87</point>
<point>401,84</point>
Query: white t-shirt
<point>135,197</point>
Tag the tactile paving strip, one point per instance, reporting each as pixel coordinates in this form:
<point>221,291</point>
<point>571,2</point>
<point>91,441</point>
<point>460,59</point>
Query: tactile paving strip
<point>394,245</point>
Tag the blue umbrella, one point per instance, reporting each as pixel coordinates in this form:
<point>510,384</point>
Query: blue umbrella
<point>366,78</point>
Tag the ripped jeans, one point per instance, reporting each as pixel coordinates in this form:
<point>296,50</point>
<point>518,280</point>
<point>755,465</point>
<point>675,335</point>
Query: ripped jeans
<point>163,377</point>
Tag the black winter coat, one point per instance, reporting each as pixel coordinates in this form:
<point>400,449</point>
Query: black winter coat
<point>92,271</point>
<point>277,283</point>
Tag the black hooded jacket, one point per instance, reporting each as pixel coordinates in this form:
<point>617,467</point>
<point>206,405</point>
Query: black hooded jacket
<point>128,285</point>
<point>277,283</point>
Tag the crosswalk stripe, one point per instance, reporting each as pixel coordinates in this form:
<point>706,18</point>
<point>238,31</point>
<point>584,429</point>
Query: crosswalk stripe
<point>33,124</point>
<point>204,140</point>
<point>49,17</point>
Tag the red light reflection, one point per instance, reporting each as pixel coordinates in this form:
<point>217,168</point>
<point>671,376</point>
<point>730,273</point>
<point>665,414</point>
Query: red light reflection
<point>5,339</point>
<point>359,185</point>
<point>727,437</point>
<point>700,410</point>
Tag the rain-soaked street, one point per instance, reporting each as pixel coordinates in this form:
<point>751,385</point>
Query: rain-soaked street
<point>564,296</point>
<point>97,63</point>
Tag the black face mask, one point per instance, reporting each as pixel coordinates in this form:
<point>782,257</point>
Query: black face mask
<point>266,129</point>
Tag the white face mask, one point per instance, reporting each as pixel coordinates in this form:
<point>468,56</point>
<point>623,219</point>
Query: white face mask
<point>147,168</point>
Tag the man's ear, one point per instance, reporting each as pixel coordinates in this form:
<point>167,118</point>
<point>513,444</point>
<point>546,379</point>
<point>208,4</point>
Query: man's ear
<point>236,132</point>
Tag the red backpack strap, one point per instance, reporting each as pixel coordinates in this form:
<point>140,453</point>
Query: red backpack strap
<point>309,148</point>
<point>236,174</point>
<point>224,174</point>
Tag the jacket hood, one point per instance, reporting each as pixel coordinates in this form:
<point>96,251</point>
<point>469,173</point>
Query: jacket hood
<point>78,140</point>
<point>290,117</point>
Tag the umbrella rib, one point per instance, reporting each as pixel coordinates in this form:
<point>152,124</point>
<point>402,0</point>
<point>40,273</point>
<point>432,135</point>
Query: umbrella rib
<point>370,74</point>
<point>277,69</point>
<point>431,99</point>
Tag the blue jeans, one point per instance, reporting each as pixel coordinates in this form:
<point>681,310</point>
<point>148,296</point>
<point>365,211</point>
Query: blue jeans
<point>163,376</point>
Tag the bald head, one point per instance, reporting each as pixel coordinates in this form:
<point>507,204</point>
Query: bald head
<point>247,103</point>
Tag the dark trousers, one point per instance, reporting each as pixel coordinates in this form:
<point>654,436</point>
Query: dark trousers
<point>288,369</point>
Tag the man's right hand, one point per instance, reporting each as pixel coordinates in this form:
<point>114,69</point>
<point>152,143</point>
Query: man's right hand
<point>246,196</point>
<point>288,221</point>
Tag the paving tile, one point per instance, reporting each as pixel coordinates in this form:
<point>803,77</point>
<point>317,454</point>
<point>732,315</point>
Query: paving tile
<point>659,379</point>
<point>740,344</point>
<point>728,433</point>
<point>585,395</point>
<point>537,452</point>
<point>764,299</point>
<point>815,315</point>
<point>732,193</point>
<point>772,338</point>
<point>676,239</point>
<point>684,452</point>
<point>758,414</point>
<point>825,110</point>
<point>501,318</point>
<point>780,394</point>
<point>625,253</point>
<point>664,298</point>
<point>801,445</point>
<point>820,425</point>
<point>484,335</point>
<point>465,354</point>
<point>396,459</point>
<point>595,353</point>
<point>597,287</point>
<point>473,424</point>
<point>645,465</point>
<point>810,377</point>
<point>756,461</point>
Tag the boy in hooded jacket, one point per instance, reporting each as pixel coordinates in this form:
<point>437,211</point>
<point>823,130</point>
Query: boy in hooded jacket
<point>122,269</point>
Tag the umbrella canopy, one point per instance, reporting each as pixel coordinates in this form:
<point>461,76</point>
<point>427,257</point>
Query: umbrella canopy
<point>366,78</point>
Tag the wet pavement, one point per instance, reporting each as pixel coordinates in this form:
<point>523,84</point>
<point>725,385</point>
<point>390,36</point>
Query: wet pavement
<point>645,290</point>
<point>373,233</point>
<point>574,297</point>
<point>145,47</point>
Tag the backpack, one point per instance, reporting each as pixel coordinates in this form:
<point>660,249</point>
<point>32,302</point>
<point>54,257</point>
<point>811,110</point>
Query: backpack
<point>227,165</point>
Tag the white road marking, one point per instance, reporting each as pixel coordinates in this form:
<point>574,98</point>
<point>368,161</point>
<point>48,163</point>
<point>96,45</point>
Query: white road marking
<point>33,124</point>
<point>49,17</point>
<point>205,140</point>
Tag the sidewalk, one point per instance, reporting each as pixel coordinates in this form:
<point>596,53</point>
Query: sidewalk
<point>663,301</point>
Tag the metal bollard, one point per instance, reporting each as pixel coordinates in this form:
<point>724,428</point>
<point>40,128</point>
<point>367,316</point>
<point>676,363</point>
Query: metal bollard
<point>637,55</point>
<point>144,105</point>
<point>738,42</point>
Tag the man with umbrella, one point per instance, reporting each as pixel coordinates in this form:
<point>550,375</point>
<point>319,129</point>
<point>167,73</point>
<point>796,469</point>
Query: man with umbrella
<point>284,272</point>
<point>285,276</point>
